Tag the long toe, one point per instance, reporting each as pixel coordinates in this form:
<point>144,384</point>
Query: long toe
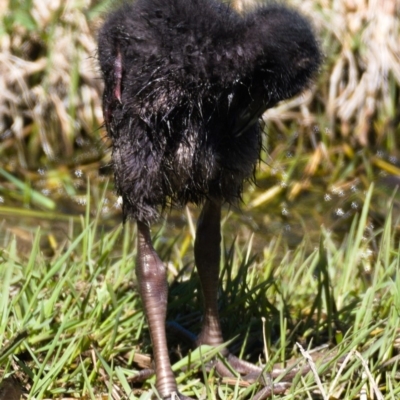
<point>177,396</point>
<point>251,373</point>
<point>143,375</point>
<point>186,335</point>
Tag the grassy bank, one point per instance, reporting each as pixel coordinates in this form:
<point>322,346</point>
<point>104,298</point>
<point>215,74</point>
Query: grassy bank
<point>72,325</point>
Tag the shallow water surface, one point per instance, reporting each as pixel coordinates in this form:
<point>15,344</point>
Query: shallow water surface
<point>290,220</point>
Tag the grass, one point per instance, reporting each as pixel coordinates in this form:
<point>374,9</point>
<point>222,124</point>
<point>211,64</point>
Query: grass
<point>73,326</point>
<point>312,258</point>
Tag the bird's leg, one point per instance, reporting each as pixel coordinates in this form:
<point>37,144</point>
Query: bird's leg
<point>151,275</point>
<point>207,257</point>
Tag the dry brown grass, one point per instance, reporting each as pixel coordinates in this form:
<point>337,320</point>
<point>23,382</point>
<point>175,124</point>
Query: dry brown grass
<point>362,48</point>
<point>50,88</point>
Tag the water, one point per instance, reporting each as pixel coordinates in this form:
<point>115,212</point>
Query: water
<point>292,219</point>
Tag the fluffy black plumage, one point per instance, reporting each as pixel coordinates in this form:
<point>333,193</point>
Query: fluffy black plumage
<point>185,84</point>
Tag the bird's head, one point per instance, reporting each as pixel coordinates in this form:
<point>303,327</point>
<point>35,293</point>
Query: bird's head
<point>283,50</point>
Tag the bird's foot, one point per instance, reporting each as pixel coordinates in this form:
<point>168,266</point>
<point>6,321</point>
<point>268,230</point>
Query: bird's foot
<point>147,373</point>
<point>279,378</point>
<point>232,366</point>
<point>143,375</point>
<point>177,396</point>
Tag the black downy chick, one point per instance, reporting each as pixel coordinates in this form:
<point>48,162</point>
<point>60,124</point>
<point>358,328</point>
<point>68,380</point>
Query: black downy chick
<point>186,82</point>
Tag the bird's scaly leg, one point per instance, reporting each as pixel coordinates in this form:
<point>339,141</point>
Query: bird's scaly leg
<point>207,257</point>
<point>151,275</point>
